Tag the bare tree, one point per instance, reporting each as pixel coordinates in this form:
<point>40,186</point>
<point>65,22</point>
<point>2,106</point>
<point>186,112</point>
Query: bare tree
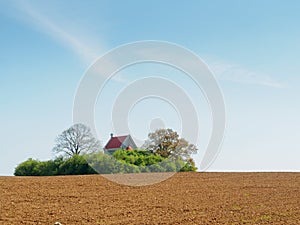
<point>76,140</point>
<point>167,143</point>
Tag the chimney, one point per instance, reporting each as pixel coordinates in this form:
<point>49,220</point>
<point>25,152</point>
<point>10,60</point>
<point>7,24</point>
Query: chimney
<point>111,135</point>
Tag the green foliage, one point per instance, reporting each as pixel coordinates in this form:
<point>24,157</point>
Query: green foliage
<point>47,168</point>
<point>122,161</point>
<point>27,168</point>
<point>104,163</point>
<point>59,166</point>
<point>168,166</point>
<point>75,165</point>
<point>145,161</point>
<point>189,166</point>
<point>137,157</point>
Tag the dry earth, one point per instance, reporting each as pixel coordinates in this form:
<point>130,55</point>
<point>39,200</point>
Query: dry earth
<point>185,198</point>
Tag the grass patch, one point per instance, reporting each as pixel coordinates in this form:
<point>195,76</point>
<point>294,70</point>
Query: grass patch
<point>265,217</point>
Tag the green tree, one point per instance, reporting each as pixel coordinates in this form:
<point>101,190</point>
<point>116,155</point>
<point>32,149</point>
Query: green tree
<point>46,168</point>
<point>104,163</point>
<point>189,166</point>
<point>144,161</point>
<point>76,165</point>
<point>27,168</point>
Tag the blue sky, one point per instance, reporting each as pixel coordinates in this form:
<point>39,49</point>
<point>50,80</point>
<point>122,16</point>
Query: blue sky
<point>253,47</point>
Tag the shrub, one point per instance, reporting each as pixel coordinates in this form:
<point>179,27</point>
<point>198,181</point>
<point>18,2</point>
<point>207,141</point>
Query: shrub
<point>104,163</point>
<point>59,166</point>
<point>123,161</point>
<point>27,168</point>
<point>189,166</point>
<point>75,165</point>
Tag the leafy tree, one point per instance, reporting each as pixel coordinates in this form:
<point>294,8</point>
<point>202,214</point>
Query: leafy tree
<point>104,163</point>
<point>153,159</point>
<point>60,166</point>
<point>156,168</point>
<point>168,166</point>
<point>46,168</point>
<point>168,144</point>
<point>137,157</point>
<point>75,165</point>
<point>189,166</point>
<point>123,161</point>
<point>151,162</point>
<point>76,140</point>
<point>27,168</point>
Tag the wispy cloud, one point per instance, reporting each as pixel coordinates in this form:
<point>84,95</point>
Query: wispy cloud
<point>83,47</point>
<point>237,73</point>
<point>224,70</point>
<point>86,53</point>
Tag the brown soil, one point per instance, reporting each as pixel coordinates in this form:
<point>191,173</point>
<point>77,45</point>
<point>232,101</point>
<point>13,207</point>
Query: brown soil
<point>186,198</point>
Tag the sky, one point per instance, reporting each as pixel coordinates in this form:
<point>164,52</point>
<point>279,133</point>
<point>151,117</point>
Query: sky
<point>252,47</point>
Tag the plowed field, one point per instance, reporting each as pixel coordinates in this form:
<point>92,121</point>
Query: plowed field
<point>185,198</point>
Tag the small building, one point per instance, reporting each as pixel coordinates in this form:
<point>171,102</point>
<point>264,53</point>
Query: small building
<point>119,142</point>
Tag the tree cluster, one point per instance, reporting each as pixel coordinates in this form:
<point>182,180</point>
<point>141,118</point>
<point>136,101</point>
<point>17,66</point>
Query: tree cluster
<point>79,153</point>
<point>122,161</point>
<point>74,165</point>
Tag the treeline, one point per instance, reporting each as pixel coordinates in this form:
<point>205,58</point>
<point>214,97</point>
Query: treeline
<point>137,161</point>
<point>75,165</point>
<point>122,161</point>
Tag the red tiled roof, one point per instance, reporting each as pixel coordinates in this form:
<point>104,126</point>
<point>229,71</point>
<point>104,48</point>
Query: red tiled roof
<point>115,142</point>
